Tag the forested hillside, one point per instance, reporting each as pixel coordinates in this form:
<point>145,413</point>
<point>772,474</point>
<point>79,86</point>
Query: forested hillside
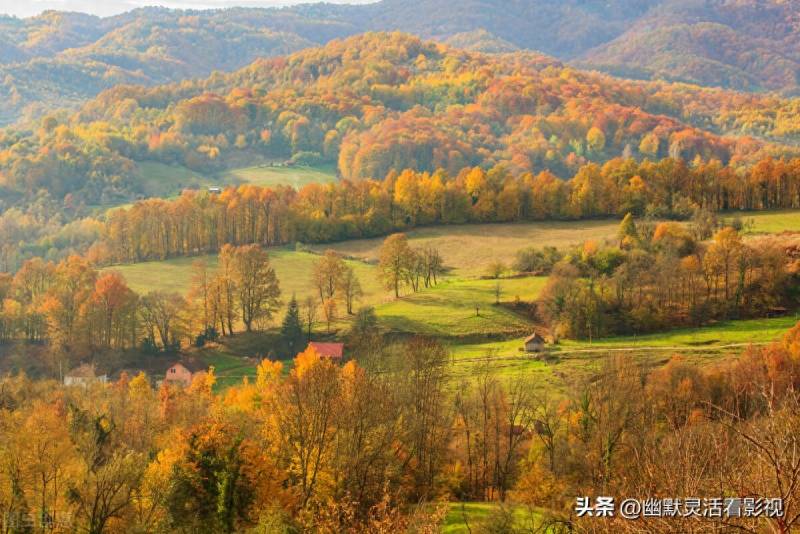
<point>386,102</point>
<point>63,59</point>
<point>747,45</point>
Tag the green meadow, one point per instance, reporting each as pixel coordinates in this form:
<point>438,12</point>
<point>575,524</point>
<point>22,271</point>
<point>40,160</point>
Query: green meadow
<point>268,176</point>
<point>464,518</point>
<point>739,333</point>
<point>454,307</point>
<point>160,180</point>
<point>461,309</point>
<point>470,248</point>
<point>770,222</point>
<point>293,269</point>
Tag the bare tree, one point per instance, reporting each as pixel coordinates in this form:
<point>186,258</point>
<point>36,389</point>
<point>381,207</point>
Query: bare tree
<point>309,315</point>
<point>349,287</point>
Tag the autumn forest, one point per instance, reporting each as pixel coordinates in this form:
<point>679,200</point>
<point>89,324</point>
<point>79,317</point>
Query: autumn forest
<point>291,270</point>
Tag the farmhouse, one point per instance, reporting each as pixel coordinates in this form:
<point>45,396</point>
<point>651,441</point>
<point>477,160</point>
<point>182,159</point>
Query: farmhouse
<point>334,351</point>
<point>215,190</point>
<point>83,375</point>
<point>183,372</point>
<point>534,343</point>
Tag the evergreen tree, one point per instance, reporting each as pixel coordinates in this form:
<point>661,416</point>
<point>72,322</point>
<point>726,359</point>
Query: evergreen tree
<point>292,329</point>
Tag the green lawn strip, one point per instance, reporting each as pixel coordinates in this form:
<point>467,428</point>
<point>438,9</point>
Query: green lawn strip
<point>704,339</point>
<point>768,222</point>
<point>463,518</point>
<point>270,176</point>
<point>725,332</point>
<point>571,360</point>
<point>458,307</point>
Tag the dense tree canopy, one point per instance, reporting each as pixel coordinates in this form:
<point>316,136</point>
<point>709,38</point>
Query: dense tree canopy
<point>379,102</point>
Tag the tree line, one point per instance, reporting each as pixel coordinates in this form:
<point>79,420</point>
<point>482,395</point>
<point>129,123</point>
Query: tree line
<point>199,222</point>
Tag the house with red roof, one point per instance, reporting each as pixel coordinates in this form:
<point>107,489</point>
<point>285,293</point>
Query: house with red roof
<point>333,351</point>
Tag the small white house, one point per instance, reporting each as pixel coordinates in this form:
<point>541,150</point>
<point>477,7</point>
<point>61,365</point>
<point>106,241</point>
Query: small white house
<point>215,190</point>
<point>84,375</point>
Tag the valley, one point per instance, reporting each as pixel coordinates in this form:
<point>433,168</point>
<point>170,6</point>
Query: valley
<point>400,267</point>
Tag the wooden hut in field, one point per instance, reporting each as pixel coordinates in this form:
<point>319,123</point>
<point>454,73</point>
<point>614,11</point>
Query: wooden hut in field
<point>535,343</point>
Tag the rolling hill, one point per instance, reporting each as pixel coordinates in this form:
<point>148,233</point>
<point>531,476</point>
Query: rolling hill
<point>62,59</point>
<point>748,45</point>
<point>380,103</point>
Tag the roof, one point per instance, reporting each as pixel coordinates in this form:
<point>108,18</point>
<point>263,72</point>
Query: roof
<point>534,337</point>
<point>194,366</point>
<point>328,350</point>
<point>83,371</point>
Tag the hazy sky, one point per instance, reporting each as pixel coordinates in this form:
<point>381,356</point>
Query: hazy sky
<point>27,8</point>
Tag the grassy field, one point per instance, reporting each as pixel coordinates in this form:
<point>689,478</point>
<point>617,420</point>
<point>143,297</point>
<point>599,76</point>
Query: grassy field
<point>292,268</point>
<point>571,360</point>
<point>463,518</point>
<point>160,180</point>
<point>770,222</point>
<point>704,338</point>
<point>445,310</point>
<point>449,309</point>
<point>725,332</point>
<point>236,357</point>
<point>468,249</point>
<point>266,176</point>
<point>167,181</point>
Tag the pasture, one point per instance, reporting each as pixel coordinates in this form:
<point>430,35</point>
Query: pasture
<point>461,309</point>
<point>463,518</point>
<point>158,180</point>
<point>268,176</point>
<point>470,248</point>
<point>769,222</point>
<point>164,181</point>
<point>292,268</point>
<point>570,360</point>
<point>703,339</point>
<point>448,309</point>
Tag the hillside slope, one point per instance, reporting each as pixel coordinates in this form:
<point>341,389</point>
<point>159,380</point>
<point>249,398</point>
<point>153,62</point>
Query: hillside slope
<point>378,103</point>
<point>746,45</point>
<point>62,59</point>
